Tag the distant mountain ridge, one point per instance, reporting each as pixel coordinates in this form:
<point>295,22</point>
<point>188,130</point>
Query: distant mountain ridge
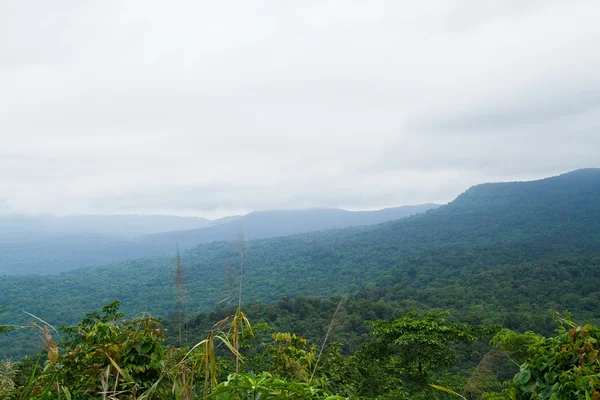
<point>263,224</point>
<point>561,189</point>
<point>42,245</point>
<point>488,228</point>
<point>96,224</point>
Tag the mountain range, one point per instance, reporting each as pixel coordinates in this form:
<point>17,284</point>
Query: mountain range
<point>50,244</point>
<point>94,224</point>
<point>527,246</point>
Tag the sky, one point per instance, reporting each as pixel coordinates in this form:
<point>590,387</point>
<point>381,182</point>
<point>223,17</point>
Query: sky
<point>225,107</point>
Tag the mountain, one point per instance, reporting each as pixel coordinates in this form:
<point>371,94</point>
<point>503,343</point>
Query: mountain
<point>47,243</point>
<point>265,224</point>
<point>43,245</point>
<point>478,247</point>
<point>95,224</point>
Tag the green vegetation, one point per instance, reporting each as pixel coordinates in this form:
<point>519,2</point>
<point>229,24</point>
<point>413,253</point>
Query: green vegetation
<point>412,357</point>
<point>564,366</point>
<point>412,352</point>
<point>499,256</point>
<point>500,253</point>
<point>49,245</point>
<point>106,355</point>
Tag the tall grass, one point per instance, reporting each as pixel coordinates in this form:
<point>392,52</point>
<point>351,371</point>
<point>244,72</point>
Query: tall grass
<point>181,298</point>
<point>330,329</point>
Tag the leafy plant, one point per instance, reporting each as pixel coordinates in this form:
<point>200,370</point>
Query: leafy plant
<point>564,367</point>
<point>413,351</point>
<point>107,352</point>
<point>265,386</point>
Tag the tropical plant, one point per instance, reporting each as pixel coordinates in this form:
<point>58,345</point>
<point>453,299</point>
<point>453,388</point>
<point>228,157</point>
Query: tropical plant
<point>413,352</point>
<point>107,354</point>
<point>564,367</point>
<point>265,386</point>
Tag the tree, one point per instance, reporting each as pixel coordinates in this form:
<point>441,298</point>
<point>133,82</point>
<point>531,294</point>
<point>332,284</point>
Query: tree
<point>410,353</point>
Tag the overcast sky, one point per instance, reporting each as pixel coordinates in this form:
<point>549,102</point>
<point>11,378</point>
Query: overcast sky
<point>212,108</point>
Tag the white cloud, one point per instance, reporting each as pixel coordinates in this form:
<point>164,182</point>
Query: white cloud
<point>214,108</point>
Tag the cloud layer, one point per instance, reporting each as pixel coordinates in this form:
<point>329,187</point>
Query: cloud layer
<point>213,108</point>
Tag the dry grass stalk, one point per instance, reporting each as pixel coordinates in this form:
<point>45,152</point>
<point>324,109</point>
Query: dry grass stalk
<point>483,371</point>
<point>330,329</point>
<point>8,373</point>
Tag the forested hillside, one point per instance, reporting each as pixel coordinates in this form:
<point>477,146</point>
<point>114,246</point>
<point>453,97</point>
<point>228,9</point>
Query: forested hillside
<point>265,224</point>
<point>501,253</point>
<point>45,245</point>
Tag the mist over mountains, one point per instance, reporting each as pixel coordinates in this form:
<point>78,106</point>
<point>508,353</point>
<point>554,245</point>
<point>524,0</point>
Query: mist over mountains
<point>110,225</point>
<point>485,244</point>
<point>176,180</point>
<point>49,244</point>
<point>264,224</point>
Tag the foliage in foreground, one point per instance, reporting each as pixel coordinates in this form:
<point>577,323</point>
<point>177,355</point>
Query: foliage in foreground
<point>563,367</point>
<point>412,357</point>
<point>108,357</point>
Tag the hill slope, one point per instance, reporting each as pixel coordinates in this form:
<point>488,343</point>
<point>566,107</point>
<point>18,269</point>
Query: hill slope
<point>265,224</point>
<point>487,227</point>
<point>49,245</point>
<point>95,224</point>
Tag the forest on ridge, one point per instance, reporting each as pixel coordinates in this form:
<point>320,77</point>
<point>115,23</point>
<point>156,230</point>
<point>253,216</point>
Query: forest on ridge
<point>475,298</point>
